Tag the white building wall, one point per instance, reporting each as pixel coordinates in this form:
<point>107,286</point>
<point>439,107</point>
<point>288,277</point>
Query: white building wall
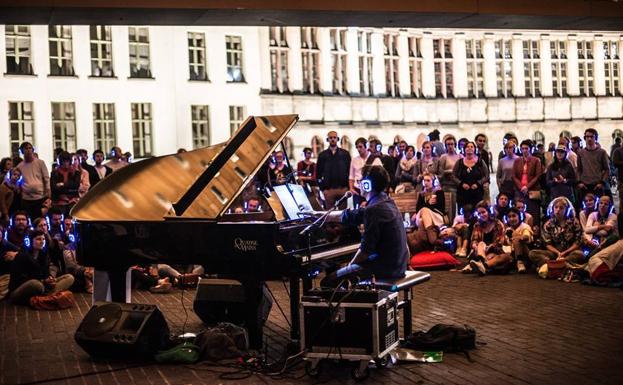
<point>172,93</point>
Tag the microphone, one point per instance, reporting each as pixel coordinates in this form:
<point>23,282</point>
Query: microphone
<point>344,197</point>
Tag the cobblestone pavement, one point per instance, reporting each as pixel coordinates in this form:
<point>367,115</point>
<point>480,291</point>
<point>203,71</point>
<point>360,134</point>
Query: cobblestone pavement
<point>533,332</point>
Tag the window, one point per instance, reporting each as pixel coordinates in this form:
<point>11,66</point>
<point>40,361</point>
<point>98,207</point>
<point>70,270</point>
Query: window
<point>310,59</point>
<point>104,127</point>
<point>278,60</point>
<point>531,67</point>
<point>101,51</point>
<point>538,138</point>
<point>338,60</point>
<point>504,67</point>
<point>317,145</point>
<point>21,125</point>
<point>558,53</point>
<point>415,65</point>
<point>565,134</point>
<point>611,67</point>
<point>364,51</point>
<point>233,49</point>
<point>139,52</point>
<point>64,126</point>
<point>475,68</point>
<point>585,70</point>
<point>141,130</point>
<point>200,126</point>
<point>61,56</point>
<point>443,67</point>
<point>18,59</point>
<point>236,117</point>
<point>392,80</point>
<point>617,133</point>
<point>197,56</point>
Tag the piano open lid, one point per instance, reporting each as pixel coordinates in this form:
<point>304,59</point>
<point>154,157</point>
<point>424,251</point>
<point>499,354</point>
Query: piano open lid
<point>201,183</point>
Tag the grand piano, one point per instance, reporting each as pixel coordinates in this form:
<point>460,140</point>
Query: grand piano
<point>176,209</point>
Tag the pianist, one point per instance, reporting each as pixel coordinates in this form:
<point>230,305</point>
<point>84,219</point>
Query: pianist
<point>383,252</point>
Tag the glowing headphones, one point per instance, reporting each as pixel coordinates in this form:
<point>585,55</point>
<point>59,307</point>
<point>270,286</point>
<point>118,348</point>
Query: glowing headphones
<point>365,185</point>
<point>610,206</point>
<point>336,136</point>
<point>550,208</point>
<point>435,181</point>
<point>521,215</point>
<point>28,241</point>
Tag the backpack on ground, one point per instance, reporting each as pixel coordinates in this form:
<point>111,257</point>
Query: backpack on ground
<point>61,300</point>
<point>443,337</point>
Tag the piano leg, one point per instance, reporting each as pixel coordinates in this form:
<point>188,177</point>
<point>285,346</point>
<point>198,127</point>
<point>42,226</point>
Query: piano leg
<point>295,300</point>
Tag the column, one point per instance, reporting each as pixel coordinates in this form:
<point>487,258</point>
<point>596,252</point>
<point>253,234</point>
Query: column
<point>326,65</point>
<point>599,74</point>
<point>295,71</point>
<point>573,75</point>
<point>378,63</point>
<point>352,61</point>
<point>490,76</point>
<point>404,76</point>
<point>519,88</point>
<point>428,67</point>
<point>545,65</point>
<point>459,65</point>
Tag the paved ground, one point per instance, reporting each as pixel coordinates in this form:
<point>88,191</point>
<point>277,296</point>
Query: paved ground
<point>536,332</point>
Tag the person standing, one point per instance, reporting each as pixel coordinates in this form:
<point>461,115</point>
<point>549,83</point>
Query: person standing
<point>561,176</point>
<point>116,159</point>
<point>470,174</point>
<point>504,174</point>
<point>446,164</point>
<point>357,164</point>
<point>481,143</point>
<point>306,168</point>
<point>332,170</point>
<point>101,169</point>
<point>593,167</point>
<point>36,181</point>
<point>527,170</point>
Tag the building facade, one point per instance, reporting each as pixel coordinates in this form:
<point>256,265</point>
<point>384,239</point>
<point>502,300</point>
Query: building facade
<point>152,90</point>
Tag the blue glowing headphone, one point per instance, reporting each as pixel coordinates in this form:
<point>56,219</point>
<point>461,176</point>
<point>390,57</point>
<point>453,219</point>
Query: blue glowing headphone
<point>550,208</point>
<point>435,180</point>
<point>610,206</point>
<point>365,185</point>
<point>522,217</point>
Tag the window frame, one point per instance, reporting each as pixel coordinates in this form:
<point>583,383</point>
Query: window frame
<point>310,56</point>
<point>200,128</point>
<point>504,67</point>
<point>237,115</point>
<point>22,124</point>
<point>104,121</point>
<point>136,60</point>
<point>14,34</point>
<point>234,54</point>
<point>63,138</point>
<point>197,57</point>
<point>103,46</point>
<point>142,130</point>
<point>65,59</point>
<point>278,49</point>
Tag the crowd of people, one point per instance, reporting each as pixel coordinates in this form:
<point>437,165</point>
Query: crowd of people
<point>552,205</point>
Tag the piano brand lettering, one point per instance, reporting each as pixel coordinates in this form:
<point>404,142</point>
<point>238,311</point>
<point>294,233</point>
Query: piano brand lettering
<point>245,244</point>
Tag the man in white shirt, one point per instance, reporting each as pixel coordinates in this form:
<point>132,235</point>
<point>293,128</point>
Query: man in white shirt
<point>36,185</point>
<point>357,163</point>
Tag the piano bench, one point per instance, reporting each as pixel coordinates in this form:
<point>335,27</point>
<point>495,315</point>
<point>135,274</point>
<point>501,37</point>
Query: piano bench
<point>404,284</point>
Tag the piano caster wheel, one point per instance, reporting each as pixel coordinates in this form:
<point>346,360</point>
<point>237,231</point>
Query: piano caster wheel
<point>360,374</point>
<point>313,369</point>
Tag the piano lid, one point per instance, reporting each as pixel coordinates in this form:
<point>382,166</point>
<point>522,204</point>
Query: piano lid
<point>202,183</point>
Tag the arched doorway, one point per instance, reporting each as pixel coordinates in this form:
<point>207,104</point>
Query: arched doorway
<point>566,134</point>
<point>618,133</point>
<point>317,145</point>
<point>288,146</point>
<point>345,143</point>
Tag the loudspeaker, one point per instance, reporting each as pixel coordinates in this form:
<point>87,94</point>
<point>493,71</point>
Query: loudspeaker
<point>227,300</point>
<point>128,330</point>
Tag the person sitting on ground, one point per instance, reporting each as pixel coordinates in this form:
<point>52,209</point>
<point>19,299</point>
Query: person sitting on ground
<point>487,240</point>
<point>83,275</point>
<point>520,203</point>
<point>54,248</point>
<point>601,223</point>
<point>462,228</point>
<point>19,228</point>
<point>502,205</point>
<point>588,207</point>
<point>561,235</point>
<point>9,190</point>
<point>430,215</point>
<point>519,235</point>
<point>8,251</point>
<point>30,272</point>
<point>173,275</point>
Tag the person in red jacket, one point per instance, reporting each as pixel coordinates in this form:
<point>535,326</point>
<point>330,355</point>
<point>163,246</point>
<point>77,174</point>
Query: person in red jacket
<point>527,170</point>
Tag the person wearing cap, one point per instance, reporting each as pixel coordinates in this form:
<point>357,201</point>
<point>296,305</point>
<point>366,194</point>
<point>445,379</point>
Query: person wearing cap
<point>560,175</point>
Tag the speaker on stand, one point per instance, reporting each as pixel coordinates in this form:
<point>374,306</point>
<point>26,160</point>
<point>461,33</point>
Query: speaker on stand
<point>128,330</point>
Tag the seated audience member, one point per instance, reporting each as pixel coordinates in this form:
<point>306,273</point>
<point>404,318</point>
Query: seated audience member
<point>83,275</point>
<point>56,223</point>
<point>173,273</point>
<point>488,237</point>
<point>461,226</point>
<point>562,235</point>
<point>588,207</point>
<point>429,216</point>
<point>519,235</point>
<point>520,203</point>
<point>603,263</point>
<point>18,229</point>
<point>502,205</point>
<point>601,223</point>
<point>30,272</point>
<point>54,248</point>
<point>404,171</point>
<point>560,176</point>
<point>8,251</point>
